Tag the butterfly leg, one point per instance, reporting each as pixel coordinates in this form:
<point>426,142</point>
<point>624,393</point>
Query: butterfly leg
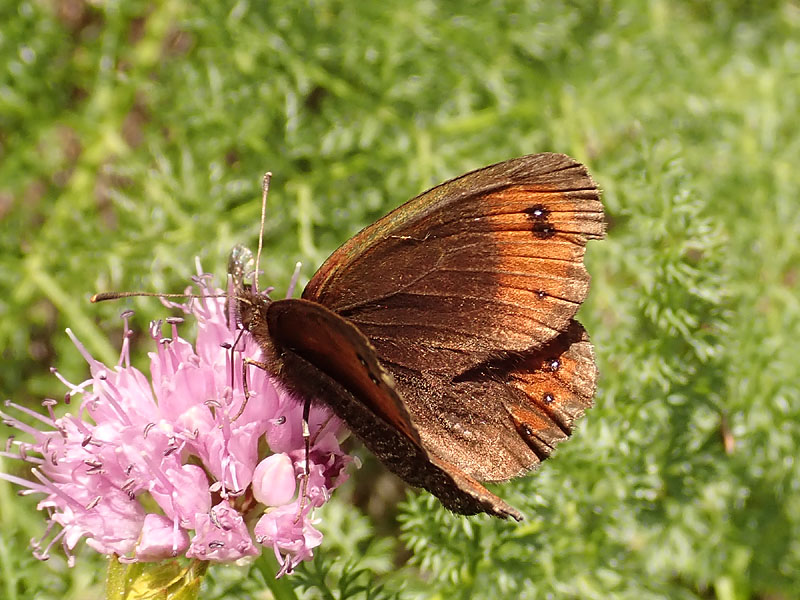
<point>307,444</point>
<point>245,362</point>
<point>306,429</point>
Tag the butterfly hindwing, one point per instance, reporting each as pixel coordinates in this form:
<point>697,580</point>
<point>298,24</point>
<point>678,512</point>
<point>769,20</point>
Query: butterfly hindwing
<point>328,359</point>
<point>339,350</point>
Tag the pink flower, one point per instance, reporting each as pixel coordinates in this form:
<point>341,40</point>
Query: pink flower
<point>158,539</point>
<point>183,441</point>
<point>287,535</point>
<point>274,481</point>
<point>221,535</point>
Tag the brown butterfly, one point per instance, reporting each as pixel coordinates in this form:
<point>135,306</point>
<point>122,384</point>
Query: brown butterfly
<point>443,334</point>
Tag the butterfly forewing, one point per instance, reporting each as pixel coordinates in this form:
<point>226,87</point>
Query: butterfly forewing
<point>490,261</point>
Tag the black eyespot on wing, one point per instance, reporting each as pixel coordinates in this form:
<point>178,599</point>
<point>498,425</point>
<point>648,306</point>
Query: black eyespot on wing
<point>539,216</point>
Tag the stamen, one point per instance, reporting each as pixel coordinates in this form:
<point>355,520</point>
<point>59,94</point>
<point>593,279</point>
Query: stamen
<point>174,321</point>
<point>68,553</point>
<point>36,544</point>
<point>175,536</point>
<point>23,452</point>
<point>29,412</point>
<point>12,422</point>
<point>155,469</point>
<point>124,354</point>
<point>83,351</point>
<point>112,393</point>
<point>49,403</point>
<point>45,554</point>
<point>32,486</point>
<point>81,425</point>
<point>293,281</point>
<point>74,389</point>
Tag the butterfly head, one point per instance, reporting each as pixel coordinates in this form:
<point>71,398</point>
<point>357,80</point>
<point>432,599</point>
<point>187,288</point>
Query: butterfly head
<point>251,311</point>
<point>250,305</point>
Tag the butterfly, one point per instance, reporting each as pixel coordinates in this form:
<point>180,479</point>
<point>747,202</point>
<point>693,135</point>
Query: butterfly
<point>444,336</point>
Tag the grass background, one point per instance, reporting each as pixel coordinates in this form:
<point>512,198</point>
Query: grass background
<point>133,136</point>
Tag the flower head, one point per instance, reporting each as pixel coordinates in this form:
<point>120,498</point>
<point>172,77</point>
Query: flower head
<point>154,468</point>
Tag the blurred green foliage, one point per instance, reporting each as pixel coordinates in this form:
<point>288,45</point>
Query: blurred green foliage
<point>133,136</point>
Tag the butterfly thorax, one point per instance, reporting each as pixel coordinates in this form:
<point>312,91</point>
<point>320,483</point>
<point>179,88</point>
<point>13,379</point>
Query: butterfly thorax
<point>251,311</point>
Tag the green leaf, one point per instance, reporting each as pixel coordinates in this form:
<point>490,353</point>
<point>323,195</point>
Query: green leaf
<point>167,580</point>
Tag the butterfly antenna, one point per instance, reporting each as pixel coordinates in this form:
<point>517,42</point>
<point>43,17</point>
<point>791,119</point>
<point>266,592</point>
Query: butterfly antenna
<point>103,296</point>
<point>264,192</point>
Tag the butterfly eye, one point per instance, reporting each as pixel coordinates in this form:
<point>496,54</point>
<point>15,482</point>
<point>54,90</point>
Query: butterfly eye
<point>548,399</point>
